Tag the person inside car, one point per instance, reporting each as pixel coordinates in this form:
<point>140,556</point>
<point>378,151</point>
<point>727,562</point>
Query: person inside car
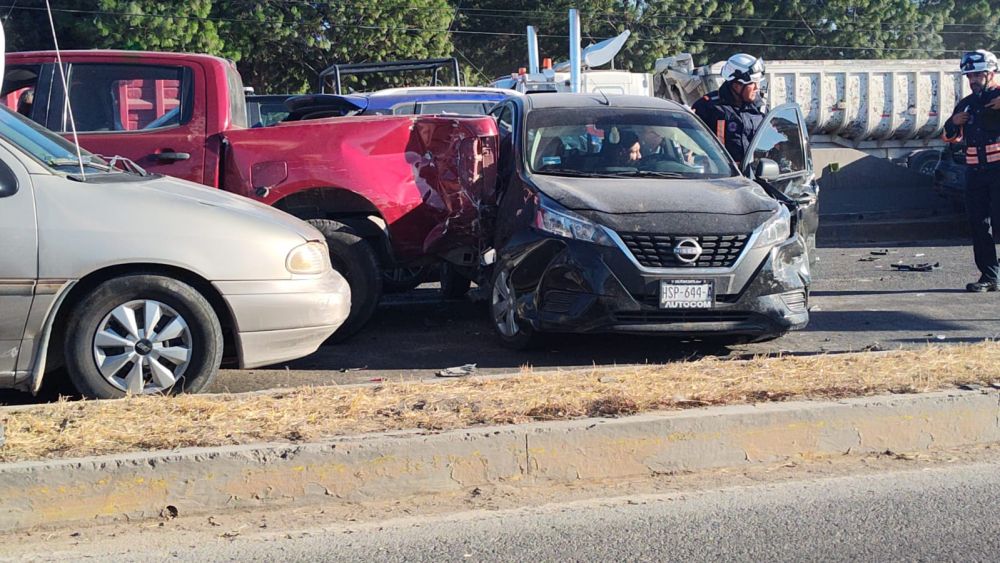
<point>622,148</point>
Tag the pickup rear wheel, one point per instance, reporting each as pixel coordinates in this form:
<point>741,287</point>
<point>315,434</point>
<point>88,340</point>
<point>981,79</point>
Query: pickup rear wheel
<point>142,334</point>
<point>355,259</point>
<point>400,280</point>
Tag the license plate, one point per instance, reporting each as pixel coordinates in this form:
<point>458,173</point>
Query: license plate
<point>686,294</point>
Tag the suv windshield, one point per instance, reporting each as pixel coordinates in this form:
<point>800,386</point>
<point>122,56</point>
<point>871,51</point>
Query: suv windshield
<point>44,145</point>
<point>622,142</point>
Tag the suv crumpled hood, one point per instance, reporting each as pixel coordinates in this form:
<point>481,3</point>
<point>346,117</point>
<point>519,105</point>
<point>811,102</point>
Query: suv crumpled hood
<point>728,196</point>
<point>220,198</point>
<point>659,205</point>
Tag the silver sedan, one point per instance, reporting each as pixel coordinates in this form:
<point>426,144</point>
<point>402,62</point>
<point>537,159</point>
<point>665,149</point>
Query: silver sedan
<point>139,283</point>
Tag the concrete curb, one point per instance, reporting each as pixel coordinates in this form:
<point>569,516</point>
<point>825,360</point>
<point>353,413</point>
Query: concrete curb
<point>387,466</point>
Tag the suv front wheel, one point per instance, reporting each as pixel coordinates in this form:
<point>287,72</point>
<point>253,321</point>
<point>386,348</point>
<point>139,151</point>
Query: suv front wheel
<point>142,334</point>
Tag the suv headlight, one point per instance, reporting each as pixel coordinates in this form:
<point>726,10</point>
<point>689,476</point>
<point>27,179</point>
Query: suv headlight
<point>566,224</point>
<point>776,229</point>
<point>308,259</point>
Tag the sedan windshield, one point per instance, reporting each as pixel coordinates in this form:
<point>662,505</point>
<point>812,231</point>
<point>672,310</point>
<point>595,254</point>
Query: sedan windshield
<point>623,142</point>
<point>44,145</point>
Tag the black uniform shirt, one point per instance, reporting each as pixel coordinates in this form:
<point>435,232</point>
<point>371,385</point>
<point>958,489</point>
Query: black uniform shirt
<point>733,121</point>
<point>981,133</point>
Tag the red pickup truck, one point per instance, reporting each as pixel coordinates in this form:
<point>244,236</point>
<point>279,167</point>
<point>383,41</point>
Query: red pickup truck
<point>387,191</point>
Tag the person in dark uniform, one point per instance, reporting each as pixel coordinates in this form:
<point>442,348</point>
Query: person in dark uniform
<point>976,122</point>
<point>735,111</point>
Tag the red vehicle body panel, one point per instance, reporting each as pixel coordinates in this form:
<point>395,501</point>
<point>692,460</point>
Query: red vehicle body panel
<point>427,176</point>
<point>141,146</point>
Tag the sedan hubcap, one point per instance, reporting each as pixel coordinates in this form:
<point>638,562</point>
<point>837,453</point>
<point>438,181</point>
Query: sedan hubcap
<point>142,346</point>
<point>505,305</point>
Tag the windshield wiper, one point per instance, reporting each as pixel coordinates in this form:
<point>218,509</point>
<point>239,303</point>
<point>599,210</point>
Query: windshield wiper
<point>653,174</point>
<point>573,173</point>
<point>55,162</point>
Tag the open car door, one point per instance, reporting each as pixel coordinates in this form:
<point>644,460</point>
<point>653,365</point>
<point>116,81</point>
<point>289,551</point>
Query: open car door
<point>783,141</point>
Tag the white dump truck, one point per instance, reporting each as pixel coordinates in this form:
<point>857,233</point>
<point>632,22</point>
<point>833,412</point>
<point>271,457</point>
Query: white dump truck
<point>889,109</point>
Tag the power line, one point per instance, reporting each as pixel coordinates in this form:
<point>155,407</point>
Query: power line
<point>472,32</point>
<point>673,15</point>
<point>729,23</point>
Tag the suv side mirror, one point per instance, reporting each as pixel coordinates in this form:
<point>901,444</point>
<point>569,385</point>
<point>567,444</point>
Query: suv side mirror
<point>8,181</point>
<point>766,169</point>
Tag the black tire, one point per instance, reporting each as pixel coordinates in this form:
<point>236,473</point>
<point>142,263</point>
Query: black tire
<point>400,280</point>
<point>454,285</point>
<point>524,337</point>
<point>355,259</point>
<point>924,162</point>
<point>205,342</point>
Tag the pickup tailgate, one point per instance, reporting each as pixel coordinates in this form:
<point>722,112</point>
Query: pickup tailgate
<point>430,177</point>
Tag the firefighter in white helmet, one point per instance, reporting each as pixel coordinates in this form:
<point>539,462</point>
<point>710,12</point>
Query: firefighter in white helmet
<point>735,111</point>
<point>976,122</point>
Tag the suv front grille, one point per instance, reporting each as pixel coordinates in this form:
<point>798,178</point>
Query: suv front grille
<point>657,250</point>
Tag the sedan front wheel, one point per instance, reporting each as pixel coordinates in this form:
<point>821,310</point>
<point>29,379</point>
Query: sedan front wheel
<point>140,335</point>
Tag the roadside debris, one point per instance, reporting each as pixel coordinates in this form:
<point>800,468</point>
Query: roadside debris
<point>883,252</point>
<point>923,267</point>
<point>458,371</point>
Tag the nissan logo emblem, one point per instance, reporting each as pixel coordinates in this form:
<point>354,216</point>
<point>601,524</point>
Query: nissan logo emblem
<point>687,250</point>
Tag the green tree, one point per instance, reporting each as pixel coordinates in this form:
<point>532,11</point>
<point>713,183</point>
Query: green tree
<point>845,29</point>
<point>157,25</point>
<point>26,26</point>
<point>973,25</point>
<point>279,45</point>
<point>282,46</point>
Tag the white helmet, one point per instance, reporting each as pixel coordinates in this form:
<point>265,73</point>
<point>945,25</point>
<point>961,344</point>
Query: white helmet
<point>979,61</point>
<point>743,68</point>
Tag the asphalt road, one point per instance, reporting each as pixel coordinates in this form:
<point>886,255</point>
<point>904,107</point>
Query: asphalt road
<point>939,512</point>
<point>858,302</point>
<point>855,305</point>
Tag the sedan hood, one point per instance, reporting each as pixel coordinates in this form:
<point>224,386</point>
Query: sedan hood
<point>728,196</point>
<point>219,198</point>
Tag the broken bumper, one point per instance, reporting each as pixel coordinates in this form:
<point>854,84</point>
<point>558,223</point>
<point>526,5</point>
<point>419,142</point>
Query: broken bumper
<point>572,286</point>
<point>284,320</point>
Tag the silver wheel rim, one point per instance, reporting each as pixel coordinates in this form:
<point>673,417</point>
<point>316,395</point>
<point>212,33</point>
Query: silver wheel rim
<point>142,347</point>
<point>505,306</point>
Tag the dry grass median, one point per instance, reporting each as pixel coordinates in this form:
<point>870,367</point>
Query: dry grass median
<point>74,429</point>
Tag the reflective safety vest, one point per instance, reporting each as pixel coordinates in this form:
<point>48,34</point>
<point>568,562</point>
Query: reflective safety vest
<point>981,134</point>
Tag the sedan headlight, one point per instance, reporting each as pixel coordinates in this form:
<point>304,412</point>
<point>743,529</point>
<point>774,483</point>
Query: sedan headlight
<point>569,225</point>
<point>776,229</point>
<point>308,259</point>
